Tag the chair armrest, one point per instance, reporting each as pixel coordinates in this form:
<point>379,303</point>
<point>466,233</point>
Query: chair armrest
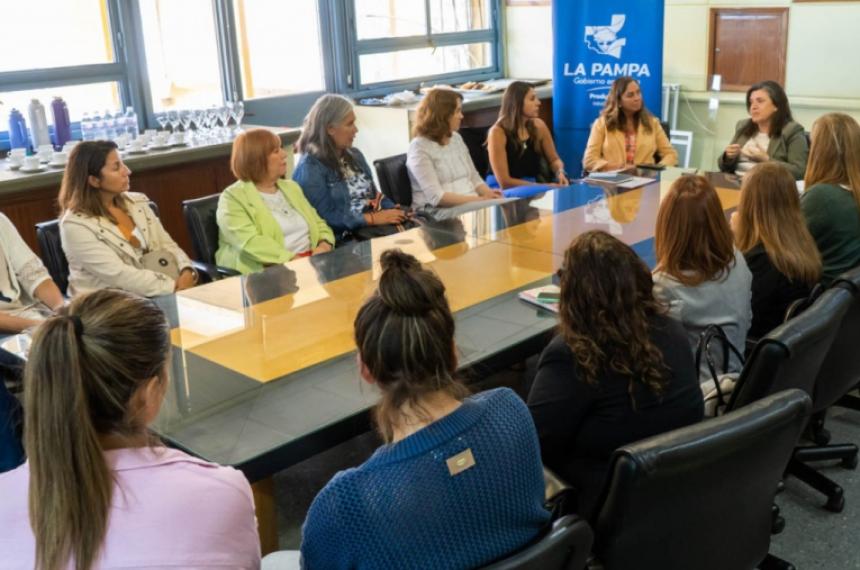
<point>207,272</point>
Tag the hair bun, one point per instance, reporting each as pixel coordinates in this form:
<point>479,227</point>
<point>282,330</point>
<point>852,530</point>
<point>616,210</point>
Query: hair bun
<point>405,287</point>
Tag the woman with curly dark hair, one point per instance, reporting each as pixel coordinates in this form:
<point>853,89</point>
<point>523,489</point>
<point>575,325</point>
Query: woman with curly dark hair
<point>618,370</point>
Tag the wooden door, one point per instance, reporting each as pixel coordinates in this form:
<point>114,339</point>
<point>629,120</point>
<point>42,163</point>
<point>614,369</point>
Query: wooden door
<point>747,46</point>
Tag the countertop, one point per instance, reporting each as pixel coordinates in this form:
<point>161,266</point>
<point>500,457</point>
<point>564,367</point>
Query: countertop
<point>472,101</point>
<point>16,181</point>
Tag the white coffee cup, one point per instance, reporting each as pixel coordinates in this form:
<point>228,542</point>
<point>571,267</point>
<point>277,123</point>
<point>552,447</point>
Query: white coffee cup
<point>136,144</point>
<point>19,152</point>
<point>59,157</point>
<point>30,162</point>
<point>15,159</point>
<point>178,138</point>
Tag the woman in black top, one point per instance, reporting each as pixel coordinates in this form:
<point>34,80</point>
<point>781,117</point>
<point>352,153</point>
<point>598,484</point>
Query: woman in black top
<point>780,252</point>
<point>619,370</point>
<point>519,140</point>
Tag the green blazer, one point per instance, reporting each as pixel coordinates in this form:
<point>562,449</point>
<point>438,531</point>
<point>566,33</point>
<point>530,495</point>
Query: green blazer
<point>790,148</point>
<point>249,238</point>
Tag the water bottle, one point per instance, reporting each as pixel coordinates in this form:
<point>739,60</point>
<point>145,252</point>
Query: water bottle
<point>98,130</point>
<point>86,127</point>
<point>131,126</point>
<point>62,124</point>
<point>38,124</point>
<point>110,126</point>
<point>17,130</point>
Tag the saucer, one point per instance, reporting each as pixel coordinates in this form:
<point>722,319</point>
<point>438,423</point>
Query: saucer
<point>14,166</point>
<point>57,164</point>
<point>32,170</point>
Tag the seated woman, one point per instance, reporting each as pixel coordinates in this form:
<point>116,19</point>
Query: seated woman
<point>620,370</point>
<point>468,467</point>
<point>440,167</point>
<point>699,274</point>
<point>519,139</point>
<point>95,379</point>
<point>770,134</point>
<point>831,202</point>
<point>264,219</point>
<point>781,254</point>
<point>336,178</point>
<point>625,133</point>
<point>111,237</point>
<point>27,293</point>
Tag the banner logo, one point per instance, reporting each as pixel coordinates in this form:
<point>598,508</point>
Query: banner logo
<point>604,39</point>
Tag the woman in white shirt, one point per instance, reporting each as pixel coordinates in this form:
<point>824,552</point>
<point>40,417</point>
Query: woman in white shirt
<point>27,293</point>
<point>440,167</point>
<point>111,236</point>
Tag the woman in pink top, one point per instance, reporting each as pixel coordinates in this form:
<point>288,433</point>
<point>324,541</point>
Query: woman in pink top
<point>97,490</point>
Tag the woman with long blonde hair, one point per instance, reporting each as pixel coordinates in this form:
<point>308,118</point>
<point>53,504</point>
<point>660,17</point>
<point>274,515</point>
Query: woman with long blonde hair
<point>831,202</point>
<point>779,250</point>
<point>699,274</point>
<point>97,490</point>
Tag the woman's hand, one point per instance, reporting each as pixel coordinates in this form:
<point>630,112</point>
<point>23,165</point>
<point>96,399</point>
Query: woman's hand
<point>392,216</point>
<point>613,166</point>
<point>732,151</point>
<point>562,178</point>
<point>757,154</point>
<point>186,280</point>
<point>322,247</point>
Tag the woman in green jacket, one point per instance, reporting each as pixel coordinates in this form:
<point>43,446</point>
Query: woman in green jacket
<point>264,219</point>
<point>769,135</point>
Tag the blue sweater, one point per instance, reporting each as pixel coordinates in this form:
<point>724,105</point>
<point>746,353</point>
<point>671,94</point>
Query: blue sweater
<point>403,509</point>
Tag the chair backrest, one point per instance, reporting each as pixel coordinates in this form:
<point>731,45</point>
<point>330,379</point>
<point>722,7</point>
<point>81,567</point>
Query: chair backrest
<point>840,371</point>
<point>475,139</point>
<point>48,236</point>
<point>394,179</point>
<point>700,496</point>
<point>202,226</point>
<point>565,547</point>
<point>790,356</point>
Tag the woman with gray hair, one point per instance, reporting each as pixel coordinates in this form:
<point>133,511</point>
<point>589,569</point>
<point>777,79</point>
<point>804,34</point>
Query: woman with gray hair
<point>336,177</point>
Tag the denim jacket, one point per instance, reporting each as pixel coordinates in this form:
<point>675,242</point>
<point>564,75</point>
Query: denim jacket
<point>328,193</point>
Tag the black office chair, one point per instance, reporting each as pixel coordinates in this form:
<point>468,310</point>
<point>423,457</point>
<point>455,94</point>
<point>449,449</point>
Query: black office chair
<point>790,356</point>
<point>53,256</point>
<point>839,374</point>
<point>394,179</point>
<point>701,496</point>
<point>565,547</point>
<point>203,228</point>
<point>476,139</point>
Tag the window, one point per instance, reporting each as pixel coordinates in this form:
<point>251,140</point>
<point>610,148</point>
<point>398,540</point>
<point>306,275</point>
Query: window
<point>266,31</point>
<point>404,42</point>
<point>182,61</point>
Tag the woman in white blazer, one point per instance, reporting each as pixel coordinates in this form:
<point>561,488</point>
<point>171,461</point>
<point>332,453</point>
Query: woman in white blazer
<point>110,236</point>
<point>27,293</point>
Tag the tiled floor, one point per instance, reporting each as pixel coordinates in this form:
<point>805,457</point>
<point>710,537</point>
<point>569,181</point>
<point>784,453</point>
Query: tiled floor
<point>813,537</point>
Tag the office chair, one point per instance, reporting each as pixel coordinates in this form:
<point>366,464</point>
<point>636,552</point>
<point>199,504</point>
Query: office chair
<point>202,225</point>
<point>51,248</point>
<point>700,496</point>
<point>394,179</point>
<point>565,547</point>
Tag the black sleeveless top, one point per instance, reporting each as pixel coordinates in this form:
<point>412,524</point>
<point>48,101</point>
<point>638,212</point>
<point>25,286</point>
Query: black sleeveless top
<point>523,159</point>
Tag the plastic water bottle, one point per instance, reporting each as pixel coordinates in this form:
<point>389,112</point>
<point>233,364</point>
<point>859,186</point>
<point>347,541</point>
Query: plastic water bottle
<point>17,130</point>
<point>110,126</point>
<point>131,125</point>
<point>39,134</point>
<point>62,124</point>
<point>86,127</point>
<point>98,130</point>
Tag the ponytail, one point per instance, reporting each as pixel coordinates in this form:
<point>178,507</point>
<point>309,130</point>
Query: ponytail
<point>79,382</point>
<point>405,337</point>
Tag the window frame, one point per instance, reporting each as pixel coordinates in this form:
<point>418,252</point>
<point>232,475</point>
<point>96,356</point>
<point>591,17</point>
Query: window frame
<point>351,49</point>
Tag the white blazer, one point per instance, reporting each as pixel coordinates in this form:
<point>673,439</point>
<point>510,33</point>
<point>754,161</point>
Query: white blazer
<point>100,256</point>
<point>24,269</point>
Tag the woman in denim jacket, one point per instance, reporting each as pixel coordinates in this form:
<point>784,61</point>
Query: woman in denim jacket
<point>335,177</point>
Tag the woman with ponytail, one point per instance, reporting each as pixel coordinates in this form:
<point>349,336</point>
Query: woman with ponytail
<point>98,491</point>
<point>458,482</point>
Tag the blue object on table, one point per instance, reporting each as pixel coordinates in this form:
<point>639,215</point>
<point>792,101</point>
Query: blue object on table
<point>18,137</point>
<point>517,191</point>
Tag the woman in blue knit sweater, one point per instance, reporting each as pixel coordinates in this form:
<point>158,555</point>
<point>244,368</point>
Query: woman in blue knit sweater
<point>459,482</point>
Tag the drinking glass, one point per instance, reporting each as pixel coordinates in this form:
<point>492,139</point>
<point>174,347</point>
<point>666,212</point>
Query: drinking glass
<point>162,120</point>
<point>173,119</point>
<point>237,111</point>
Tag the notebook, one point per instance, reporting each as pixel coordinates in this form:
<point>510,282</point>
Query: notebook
<point>545,297</point>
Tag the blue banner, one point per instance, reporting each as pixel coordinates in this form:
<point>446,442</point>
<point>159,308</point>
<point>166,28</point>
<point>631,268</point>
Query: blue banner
<point>596,41</point>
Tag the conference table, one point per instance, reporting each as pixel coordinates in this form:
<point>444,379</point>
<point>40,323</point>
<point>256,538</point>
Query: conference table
<point>264,372</point>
